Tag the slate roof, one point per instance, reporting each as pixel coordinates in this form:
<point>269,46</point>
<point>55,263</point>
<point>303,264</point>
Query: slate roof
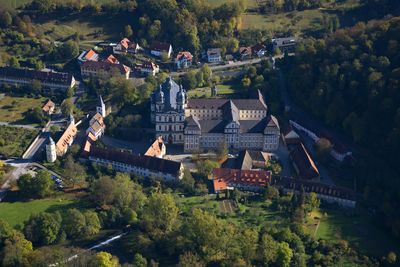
<point>160,46</point>
<point>147,162</point>
<point>43,76</point>
<point>212,103</point>
<point>105,65</point>
<point>304,162</point>
<point>169,90</point>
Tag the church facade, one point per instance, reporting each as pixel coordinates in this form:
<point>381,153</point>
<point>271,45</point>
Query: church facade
<point>201,124</point>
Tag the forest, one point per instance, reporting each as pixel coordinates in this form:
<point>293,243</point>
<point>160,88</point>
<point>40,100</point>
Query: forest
<point>350,80</point>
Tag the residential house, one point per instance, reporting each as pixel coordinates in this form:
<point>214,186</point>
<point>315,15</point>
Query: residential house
<point>183,60</point>
<point>157,149</point>
<point>148,68</point>
<point>111,59</point>
<point>245,52</point>
<point>146,166</point>
<point>25,77</point>
<point>66,139</point>
<point>89,55</point>
<point>287,44</point>
<point>96,126</point>
<point>303,164</point>
<point>104,69</point>
<point>214,55</point>
<point>259,49</point>
<point>159,48</point>
<point>126,46</point>
<point>49,107</point>
<point>246,180</point>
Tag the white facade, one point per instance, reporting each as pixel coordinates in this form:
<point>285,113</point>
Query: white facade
<point>51,154</point>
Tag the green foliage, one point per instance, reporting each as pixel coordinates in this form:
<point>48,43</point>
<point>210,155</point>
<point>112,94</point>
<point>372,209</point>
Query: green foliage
<point>80,225</point>
<point>206,167</point>
<point>284,254</point>
<point>74,173</point>
<point>139,261</point>
<point>16,250</point>
<point>189,259</point>
<point>105,259</point>
<point>39,186</point>
<point>323,147</point>
<point>43,228</point>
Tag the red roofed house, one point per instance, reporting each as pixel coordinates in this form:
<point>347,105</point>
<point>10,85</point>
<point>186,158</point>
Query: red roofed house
<point>148,68</point>
<point>89,55</point>
<point>157,149</point>
<point>183,60</point>
<point>126,46</point>
<point>246,180</point>
<point>66,139</point>
<point>103,69</point>
<point>158,48</point>
<point>245,52</point>
<point>112,59</point>
<point>96,126</point>
<point>48,108</point>
<point>259,50</point>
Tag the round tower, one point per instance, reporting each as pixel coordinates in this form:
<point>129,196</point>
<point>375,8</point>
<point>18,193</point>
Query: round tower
<point>51,155</point>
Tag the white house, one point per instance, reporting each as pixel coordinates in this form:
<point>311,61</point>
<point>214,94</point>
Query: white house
<point>183,60</point>
<point>148,68</point>
<point>214,55</point>
<point>159,48</point>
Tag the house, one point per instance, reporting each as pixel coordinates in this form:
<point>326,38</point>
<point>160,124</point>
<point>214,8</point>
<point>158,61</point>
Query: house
<point>303,164</point>
<point>126,46</point>
<point>289,136</point>
<point>159,48</point>
<point>49,107</point>
<point>66,139</point>
<point>259,49</point>
<point>183,60</point>
<point>96,127</point>
<point>157,149</point>
<point>329,193</point>
<point>145,166</point>
<point>248,160</point>
<point>246,180</point>
<point>24,77</point>
<point>89,55</point>
<point>103,69</point>
<point>148,68</point>
<point>111,59</point>
<point>214,55</point>
<point>245,52</point>
<point>287,44</point>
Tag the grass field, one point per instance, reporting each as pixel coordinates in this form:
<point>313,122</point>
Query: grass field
<point>14,141</point>
<point>17,212</point>
<point>357,229</point>
<point>14,4</point>
<point>12,109</point>
<point>224,90</point>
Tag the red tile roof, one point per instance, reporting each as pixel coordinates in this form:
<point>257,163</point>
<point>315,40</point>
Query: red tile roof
<point>112,59</point>
<point>185,54</point>
<point>105,65</point>
<point>49,105</point>
<point>303,161</point>
<point>155,150</point>
<point>224,178</point>
<point>90,54</point>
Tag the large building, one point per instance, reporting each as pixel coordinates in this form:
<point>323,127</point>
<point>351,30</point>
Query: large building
<point>103,69</point>
<point>25,77</point>
<point>201,124</point>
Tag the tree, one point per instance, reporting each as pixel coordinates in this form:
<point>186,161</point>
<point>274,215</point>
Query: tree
<point>189,80</point>
<point>13,62</point>
<point>128,31</point>
<point>139,261</point>
<point>222,151</point>
<point>189,259</point>
<point>391,258</point>
<point>323,148</point>
<point>206,167</point>
<point>268,249</point>
<point>160,215</point>
<point>246,82</point>
<point>248,240</point>
<point>74,223</point>
<point>16,250</point>
<point>284,254</point>
<point>43,228</point>
<point>74,172</point>
<point>5,19</point>
<point>39,186</point>
<point>103,191</point>
<point>92,223</point>
<point>67,107</point>
<point>105,259</point>
<point>36,86</point>
<point>127,193</point>
<point>188,181</point>
<point>5,232</point>
<point>271,193</point>
<point>68,50</point>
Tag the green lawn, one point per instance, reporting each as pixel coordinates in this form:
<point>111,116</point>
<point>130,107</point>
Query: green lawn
<point>14,140</point>
<point>357,229</point>
<point>13,109</point>
<point>17,212</point>
<point>13,4</point>
<point>224,91</point>
<point>249,3</point>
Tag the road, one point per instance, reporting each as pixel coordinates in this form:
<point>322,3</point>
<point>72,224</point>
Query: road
<point>230,65</point>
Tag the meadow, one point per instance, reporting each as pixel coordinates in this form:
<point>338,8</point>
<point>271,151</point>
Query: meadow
<point>13,109</point>
<point>15,140</point>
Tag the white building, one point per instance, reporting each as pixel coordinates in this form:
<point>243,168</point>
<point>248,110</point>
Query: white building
<point>146,166</point>
<point>126,46</point>
<point>51,154</point>
<point>159,48</point>
<point>183,60</point>
<point>148,68</point>
<point>101,107</point>
<point>25,77</point>
<point>214,55</point>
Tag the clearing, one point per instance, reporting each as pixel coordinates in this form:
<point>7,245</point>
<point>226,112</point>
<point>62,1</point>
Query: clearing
<point>16,213</point>
<point>224,91</point>
<point>15,140</point>
<point>12,109</point>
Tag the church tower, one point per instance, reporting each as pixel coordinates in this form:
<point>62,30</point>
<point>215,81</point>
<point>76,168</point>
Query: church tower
<point>51,155</point>
<point>101,107</point>
<point>71,119</point>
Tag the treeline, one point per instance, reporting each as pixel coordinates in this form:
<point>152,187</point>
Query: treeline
<point>350,80</point>
<point>289,5</point>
